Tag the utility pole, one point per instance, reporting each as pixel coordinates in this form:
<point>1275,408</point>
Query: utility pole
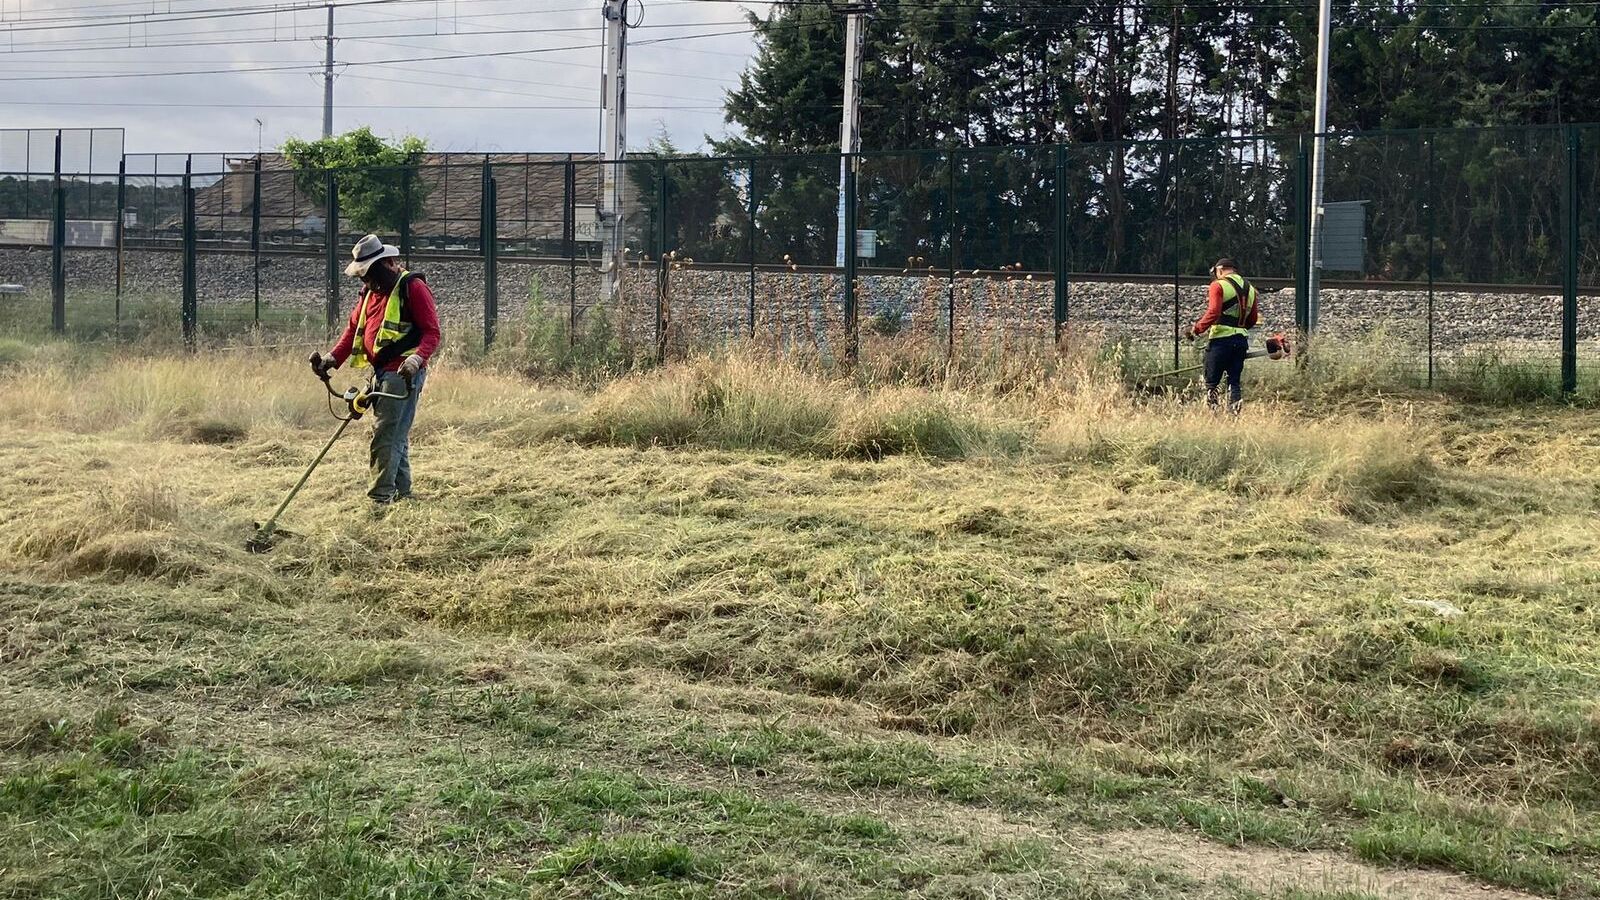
<point>614,100</point>
<point>850,124</point>
<point>327,81</point>
<point>1319,164</point>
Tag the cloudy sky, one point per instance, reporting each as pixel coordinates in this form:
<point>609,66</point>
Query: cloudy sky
<point>96,63</point>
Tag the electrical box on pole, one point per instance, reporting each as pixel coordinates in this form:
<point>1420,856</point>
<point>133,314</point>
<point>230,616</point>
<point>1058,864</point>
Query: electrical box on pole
<point>850,123</point>
<point>614,100</point>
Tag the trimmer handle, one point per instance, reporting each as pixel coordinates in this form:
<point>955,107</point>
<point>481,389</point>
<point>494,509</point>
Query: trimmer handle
<point>320,367</point>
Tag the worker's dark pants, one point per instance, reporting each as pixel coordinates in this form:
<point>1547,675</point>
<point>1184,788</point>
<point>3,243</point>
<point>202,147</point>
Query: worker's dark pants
<point>390,459</point>
<point>1225,356</point>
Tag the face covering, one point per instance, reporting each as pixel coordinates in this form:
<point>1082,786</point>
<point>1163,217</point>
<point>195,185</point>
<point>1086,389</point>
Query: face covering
<point>381,279</point>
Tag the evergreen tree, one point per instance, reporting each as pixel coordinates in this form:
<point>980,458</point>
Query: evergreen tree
<point>1094,74</point>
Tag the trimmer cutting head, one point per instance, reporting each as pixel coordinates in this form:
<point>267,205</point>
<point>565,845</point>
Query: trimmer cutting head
<point>264,538</point>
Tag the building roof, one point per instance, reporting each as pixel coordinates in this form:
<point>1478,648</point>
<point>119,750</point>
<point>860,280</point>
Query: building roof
<point>530,195</point>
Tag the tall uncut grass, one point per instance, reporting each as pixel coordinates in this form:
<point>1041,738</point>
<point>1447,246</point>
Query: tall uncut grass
<point>1078,410</point>
<point>1342,619</point>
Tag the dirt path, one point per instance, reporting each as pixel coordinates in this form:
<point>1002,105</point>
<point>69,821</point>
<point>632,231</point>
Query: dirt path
<point>1272,871</point>
<point>1266,870</point>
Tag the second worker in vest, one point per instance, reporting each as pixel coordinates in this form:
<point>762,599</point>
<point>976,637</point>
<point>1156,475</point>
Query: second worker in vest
<point>1231,312</point>
<point>395,329</point>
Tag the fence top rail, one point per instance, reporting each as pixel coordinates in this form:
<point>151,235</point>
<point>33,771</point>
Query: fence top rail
<point>477,160</point>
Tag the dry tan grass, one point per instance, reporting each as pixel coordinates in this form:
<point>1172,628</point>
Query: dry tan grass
<point>1057,564</point>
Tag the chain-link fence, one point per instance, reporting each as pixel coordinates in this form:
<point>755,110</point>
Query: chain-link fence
<point>1456,251</point>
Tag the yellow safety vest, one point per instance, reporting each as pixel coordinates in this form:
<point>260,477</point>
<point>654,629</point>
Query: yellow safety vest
<point>393,329</point>
<point>1238,301</point>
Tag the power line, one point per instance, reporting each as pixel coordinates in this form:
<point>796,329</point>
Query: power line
<point>205,15</point>
<point>145,20</point>
<point>244,12</point>
<point>1124,6</point>
<point>309,106</point>
<point>304,67</point>
<point>524,13</point>
<point>33,47</point>
<point>293,68</point>
<point>635,69</point>
<point>310,5</point>
<point>687,37</point>
<point>590,99</point>
<point>529,82</point>
<point>208,35</point>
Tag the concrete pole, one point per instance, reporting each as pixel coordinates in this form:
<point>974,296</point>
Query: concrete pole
<point>614,100</point>
<point>850,119</point>
<point>1319,163</point>
<point>327,81</point>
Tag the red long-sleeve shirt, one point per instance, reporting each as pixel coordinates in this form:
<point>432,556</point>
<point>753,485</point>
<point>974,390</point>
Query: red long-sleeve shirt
<point>416,307</point>
<point>1214,311</point>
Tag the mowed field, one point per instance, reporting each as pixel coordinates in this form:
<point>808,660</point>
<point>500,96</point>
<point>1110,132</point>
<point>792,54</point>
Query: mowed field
<point>733,629</point>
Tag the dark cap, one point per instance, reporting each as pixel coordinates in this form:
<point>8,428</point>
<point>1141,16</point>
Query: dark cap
<point>1224,263</point>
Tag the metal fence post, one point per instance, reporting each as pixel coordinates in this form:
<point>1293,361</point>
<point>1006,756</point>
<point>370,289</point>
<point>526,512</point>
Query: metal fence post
<point>255,235</point>
<point>1177,264</point>
<point>852,336</point>
<point>569,246</point>
<point>751,241</point>
<point>191,293</point>
<point>1061,243</point>
<point>661,261</point>
<point>1302,236</point>
<point>488,243</point>
<point>1569,286</point>
<point>405,214</point>
<point>1432,202</point>
<point>950,270</point>
<point>331,248</point>
<point>58,247</point>
<point>122,205</point>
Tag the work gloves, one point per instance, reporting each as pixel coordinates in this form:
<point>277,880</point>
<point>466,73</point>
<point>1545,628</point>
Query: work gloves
<point>322,365</point>
<point>1188,333</point>
<point>410,368</point>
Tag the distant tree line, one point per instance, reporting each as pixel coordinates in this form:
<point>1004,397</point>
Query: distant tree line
<point>948,75</point>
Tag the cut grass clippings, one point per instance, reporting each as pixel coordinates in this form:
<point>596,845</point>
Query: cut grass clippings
<point>1056,600</point>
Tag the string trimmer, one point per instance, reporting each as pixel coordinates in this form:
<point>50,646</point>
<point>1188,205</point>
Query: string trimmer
<point>357,402</point>
<point>1278,347</point>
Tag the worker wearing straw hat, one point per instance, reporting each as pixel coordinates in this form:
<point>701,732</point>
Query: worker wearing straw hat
<point>393,328</point>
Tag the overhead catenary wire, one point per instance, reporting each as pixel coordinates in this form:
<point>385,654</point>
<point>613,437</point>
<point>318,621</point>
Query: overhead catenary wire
<point>533,83</point>
<point>656,72</point>
<point>395,79</point>
<point>522,55</point>
<point>586,108</point>
<point>215,12</point>
<point>147,19</point>
<point>306,4</point>
<point>128,42</point>
<point>312,67</point>
<point>357,3</point>
<point>207,40</point>
<point>1127,6</point>
<point>54,46</point>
